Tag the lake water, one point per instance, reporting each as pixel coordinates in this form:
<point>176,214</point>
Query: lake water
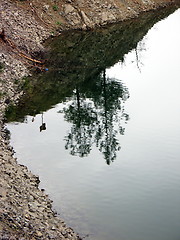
<point>107,150</point>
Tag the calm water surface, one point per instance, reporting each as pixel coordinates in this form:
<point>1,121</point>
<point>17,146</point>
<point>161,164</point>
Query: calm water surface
<point>110,155</point>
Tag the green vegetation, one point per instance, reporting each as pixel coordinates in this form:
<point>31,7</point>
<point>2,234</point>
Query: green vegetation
<point>55,7</point>
<point>11,111</point>
<point>58,23</point>
<point>1,67</point>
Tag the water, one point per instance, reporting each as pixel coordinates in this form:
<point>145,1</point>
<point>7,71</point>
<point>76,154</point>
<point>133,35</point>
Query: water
<point>108,151</point>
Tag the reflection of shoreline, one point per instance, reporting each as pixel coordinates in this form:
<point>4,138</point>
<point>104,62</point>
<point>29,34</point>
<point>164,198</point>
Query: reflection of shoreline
<point>73,54</point>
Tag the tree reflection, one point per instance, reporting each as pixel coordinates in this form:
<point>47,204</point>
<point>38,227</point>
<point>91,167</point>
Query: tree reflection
<point>84,118</point>
<point>96,114</point>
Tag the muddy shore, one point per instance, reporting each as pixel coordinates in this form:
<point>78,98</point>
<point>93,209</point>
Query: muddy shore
<point>25,210</point>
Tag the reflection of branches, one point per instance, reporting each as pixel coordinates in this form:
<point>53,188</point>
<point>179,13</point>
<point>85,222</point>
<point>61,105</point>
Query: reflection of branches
<point>137,59</point>
<point>108,143</point>
<point>109,104</point>
<point>139,48</point>
<point>96,114</point>
<point>79,140</point>
<point>83,116</point>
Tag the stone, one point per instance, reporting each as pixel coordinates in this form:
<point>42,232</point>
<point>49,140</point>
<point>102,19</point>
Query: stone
<point>46,7</point>
<point>87,21</point>
<point>107,16</point>
<point>68,8</point>
<point>39,234</point>
<point>104,16</point>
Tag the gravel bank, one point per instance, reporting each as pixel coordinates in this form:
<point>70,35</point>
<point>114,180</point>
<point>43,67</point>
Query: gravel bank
<point>25,210</point>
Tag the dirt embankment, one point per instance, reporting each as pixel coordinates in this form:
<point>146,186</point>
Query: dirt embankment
<point>25,210</point>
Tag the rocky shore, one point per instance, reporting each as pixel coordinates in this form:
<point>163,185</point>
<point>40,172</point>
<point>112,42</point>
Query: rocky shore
<point>25,210</point>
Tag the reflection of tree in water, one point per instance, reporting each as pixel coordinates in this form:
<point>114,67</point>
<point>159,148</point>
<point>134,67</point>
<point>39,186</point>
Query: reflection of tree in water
<point>84,118</point>
<point>96,113</point>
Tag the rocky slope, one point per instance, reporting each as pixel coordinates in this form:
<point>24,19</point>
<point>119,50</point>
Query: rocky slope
<point>25,210</point>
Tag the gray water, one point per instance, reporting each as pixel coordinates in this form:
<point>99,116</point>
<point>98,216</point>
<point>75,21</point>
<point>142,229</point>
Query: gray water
<point>109,156</point>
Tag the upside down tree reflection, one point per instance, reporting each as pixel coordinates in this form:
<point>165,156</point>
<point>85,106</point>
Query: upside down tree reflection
<point>97,114</point>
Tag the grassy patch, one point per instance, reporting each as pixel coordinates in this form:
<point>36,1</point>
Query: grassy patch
<point>58,23</point>
<point>55,7</point>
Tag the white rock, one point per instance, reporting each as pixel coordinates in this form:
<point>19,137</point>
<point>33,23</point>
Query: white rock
<point>68,8</point>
